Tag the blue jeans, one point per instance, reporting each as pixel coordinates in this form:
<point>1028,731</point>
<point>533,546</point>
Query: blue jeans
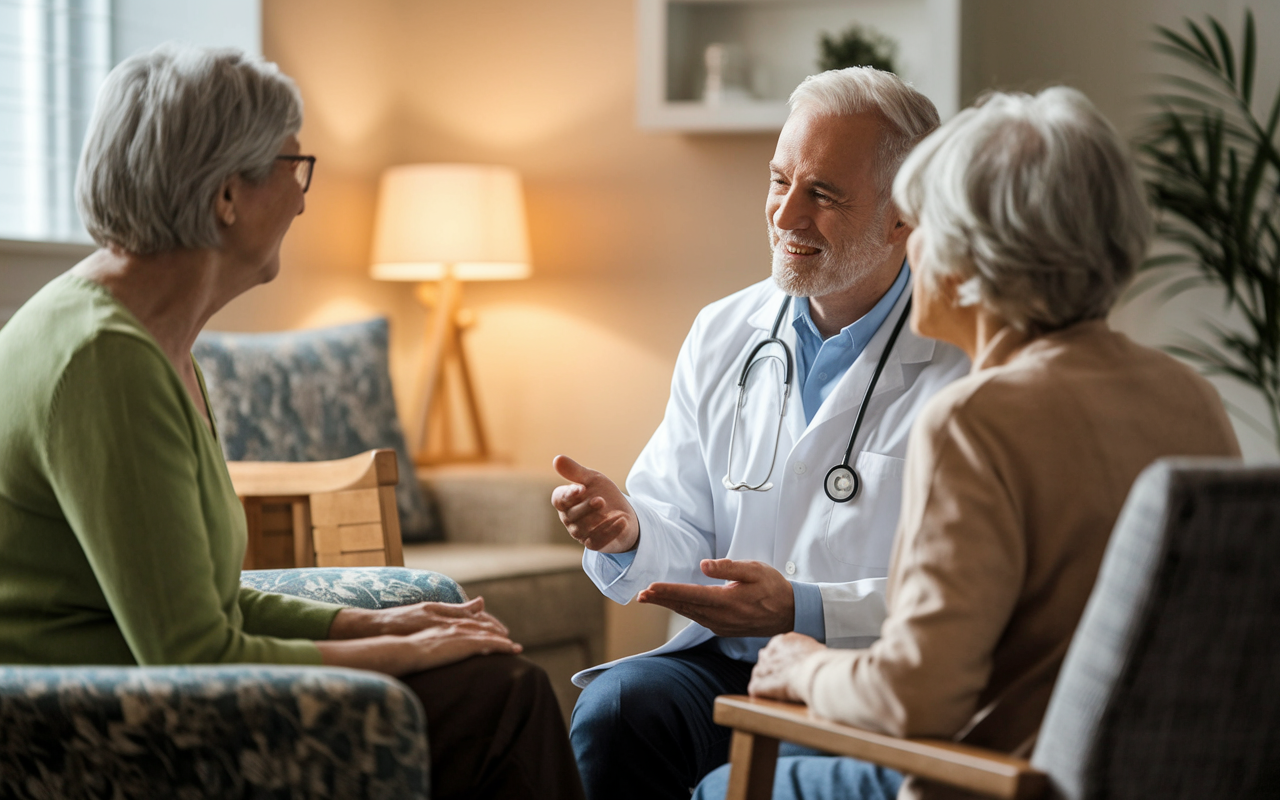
<point>815,778</point>
<point>643,729</point>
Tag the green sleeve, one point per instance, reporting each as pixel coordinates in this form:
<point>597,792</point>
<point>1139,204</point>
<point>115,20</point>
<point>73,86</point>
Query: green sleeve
<point>123,458</point>
<point>273,614</point>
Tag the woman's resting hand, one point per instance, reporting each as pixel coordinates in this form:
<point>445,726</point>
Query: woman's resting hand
<point>775,670</point>
<point>408,639</point>
<point>360,623</point>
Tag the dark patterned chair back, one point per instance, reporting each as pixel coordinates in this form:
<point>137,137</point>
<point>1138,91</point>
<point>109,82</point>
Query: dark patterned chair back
<point>1171,686</point>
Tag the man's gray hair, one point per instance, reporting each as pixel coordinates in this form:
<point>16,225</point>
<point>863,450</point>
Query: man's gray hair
<point>1035,200</point>
<point>169,127</point>
<point>858,90</point>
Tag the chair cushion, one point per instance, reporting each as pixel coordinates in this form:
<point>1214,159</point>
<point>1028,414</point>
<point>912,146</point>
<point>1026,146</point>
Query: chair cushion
<point>358,587</point>
<point>312,395</point>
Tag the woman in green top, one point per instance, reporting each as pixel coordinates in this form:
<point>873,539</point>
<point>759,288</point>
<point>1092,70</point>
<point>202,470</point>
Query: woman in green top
<point>121,536</point>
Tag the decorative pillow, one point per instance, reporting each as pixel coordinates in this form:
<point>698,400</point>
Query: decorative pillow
<point>312,395</point>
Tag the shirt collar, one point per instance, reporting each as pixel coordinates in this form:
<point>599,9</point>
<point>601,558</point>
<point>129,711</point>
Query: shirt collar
<point>860,331</point>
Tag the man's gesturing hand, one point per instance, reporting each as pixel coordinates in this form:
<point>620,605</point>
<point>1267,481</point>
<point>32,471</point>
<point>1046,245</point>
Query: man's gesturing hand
<point>757,601</point>
<point>593,509</point>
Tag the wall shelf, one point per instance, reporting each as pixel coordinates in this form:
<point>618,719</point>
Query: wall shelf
<point>773,45</point>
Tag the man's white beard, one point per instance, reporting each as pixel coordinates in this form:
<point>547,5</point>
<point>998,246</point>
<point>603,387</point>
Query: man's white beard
<point>838,267</point>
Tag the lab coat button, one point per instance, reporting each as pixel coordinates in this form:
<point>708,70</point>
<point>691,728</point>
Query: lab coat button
<point>800,467</point>
<point>791,568</point>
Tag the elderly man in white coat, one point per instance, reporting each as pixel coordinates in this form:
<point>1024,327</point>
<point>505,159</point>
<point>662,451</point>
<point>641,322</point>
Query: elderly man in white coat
<point>767,499</point>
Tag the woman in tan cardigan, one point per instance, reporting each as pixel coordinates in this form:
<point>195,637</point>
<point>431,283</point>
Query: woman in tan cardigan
<point>1028,220</point>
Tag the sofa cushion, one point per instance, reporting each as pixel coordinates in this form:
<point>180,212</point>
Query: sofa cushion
<point>311,395</point>
<point>495,503</point>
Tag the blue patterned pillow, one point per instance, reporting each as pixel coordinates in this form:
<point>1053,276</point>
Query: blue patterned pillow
<point>311,396</point>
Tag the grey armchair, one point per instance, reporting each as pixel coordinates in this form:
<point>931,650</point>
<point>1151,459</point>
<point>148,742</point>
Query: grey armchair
<point>225,731</point>
<point>1169,687</point>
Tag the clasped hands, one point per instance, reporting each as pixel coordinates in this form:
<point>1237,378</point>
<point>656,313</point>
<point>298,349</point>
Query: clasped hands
<point>756,601</point>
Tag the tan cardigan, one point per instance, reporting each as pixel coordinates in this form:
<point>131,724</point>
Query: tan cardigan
<point>1015,476</point>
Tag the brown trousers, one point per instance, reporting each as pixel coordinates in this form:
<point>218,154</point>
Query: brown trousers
<point>494,730</point>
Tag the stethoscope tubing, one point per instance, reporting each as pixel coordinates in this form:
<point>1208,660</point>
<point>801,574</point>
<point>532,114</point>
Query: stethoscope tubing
<point>875,378</point>
<point>842,476</point>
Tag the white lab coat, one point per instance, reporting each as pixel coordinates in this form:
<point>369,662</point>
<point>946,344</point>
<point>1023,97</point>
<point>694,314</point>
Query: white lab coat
<point>686,514</point>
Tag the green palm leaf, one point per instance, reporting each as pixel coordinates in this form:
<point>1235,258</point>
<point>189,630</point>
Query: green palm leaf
<point>1212,170</point>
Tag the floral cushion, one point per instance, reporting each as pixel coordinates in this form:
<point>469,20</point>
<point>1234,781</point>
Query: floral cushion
<point>215,732</point>
<point>312,395</point>
<point>358,587</point>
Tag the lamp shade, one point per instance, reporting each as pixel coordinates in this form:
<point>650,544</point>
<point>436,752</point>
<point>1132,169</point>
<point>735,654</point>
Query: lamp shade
<point>464,221</point>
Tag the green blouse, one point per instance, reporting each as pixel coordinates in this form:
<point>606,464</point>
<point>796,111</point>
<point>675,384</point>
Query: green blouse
<point>121,537</point>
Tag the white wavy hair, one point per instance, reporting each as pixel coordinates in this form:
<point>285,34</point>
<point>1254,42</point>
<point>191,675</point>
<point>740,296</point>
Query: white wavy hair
<point>857,90</point>
<point>1035,200</point>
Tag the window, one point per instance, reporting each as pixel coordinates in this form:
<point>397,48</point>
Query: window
<point>53,57</point>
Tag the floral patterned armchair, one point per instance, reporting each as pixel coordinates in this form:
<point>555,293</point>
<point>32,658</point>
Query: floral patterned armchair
<point>225,731</point>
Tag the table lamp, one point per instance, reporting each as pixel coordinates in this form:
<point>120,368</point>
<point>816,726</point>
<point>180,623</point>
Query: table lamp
<point>439,225</point>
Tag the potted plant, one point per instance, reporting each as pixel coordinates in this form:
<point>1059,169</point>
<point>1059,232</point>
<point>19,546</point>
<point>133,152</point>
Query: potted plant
<point>857,46</point>
<point>1212,169</point>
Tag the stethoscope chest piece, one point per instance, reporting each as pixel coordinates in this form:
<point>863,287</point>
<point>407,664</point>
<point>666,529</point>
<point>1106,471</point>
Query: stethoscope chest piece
<point>842,483</point>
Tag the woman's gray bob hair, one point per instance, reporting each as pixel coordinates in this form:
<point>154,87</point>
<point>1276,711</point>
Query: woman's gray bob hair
<point>169,127</point>
<point>1035,200</point>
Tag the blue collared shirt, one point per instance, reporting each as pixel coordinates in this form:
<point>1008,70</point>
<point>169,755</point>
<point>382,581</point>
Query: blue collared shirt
<point>819,367</point>
<point>821,364</point>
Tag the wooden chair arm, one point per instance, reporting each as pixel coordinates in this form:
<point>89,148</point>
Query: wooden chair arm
<point>368,470</point>
<point>970,768</point>
<point>321,513</point>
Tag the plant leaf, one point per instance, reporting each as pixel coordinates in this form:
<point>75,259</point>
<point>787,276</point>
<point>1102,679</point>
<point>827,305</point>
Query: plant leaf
<point>1224,44</point>
<point>1205,47</point>
<point>1248,59</point>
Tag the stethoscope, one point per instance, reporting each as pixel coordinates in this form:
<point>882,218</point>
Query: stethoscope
<point>842,481</point>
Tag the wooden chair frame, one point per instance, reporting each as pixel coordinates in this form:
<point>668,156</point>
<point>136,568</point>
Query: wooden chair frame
<point>321,514</point>
<point>759,725</point>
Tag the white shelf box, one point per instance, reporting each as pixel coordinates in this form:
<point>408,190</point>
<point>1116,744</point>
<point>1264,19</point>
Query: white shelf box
<point>774,46</point>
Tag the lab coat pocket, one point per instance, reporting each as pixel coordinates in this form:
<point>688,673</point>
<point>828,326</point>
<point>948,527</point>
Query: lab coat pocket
<point>860,532</point>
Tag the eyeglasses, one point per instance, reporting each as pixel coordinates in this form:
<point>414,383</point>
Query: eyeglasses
<point>303,166</point>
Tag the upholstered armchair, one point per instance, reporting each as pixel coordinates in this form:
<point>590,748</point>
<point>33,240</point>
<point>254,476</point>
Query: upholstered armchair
<point>235,730</point>
<point>1168,689</point>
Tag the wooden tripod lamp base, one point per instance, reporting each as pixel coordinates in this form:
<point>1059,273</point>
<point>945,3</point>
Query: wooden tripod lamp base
<point>448,223</point>
<point>436,442</point>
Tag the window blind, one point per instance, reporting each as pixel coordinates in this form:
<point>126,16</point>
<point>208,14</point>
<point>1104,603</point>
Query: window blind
<point>53,56</point>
